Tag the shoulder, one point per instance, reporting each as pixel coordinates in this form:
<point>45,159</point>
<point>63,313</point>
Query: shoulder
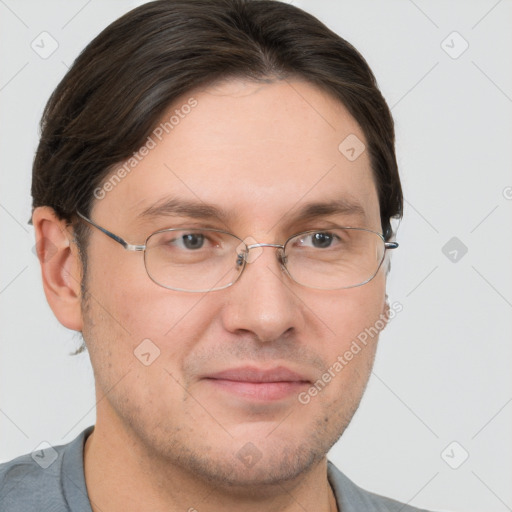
<point>37,481</point>
<point>352,498</point>
<point>23,479</point>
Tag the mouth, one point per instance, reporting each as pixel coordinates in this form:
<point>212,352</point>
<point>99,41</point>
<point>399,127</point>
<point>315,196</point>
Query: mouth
<point>259,384</point>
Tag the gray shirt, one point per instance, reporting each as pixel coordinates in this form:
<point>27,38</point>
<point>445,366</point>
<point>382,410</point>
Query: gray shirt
<point>52,480</point>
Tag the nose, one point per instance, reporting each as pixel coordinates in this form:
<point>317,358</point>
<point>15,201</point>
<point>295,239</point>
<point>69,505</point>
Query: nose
<point>263,301</point>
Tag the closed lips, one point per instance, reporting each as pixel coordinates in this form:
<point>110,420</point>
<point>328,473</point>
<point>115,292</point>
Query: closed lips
<point>258,375</point>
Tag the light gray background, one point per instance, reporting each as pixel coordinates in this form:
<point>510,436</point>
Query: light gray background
<point>443,368</point>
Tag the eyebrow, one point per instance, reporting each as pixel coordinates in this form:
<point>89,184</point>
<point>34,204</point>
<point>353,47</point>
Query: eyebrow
<point>341,206</point>
<point>183,208</point>
<point>199,210</point>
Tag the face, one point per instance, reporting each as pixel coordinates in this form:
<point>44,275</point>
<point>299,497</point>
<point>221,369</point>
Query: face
<point>259,153</point>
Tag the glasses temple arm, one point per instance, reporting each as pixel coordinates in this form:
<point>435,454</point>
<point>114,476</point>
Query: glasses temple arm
<point>118,239</point>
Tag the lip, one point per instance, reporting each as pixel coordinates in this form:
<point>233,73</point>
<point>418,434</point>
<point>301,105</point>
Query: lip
<point>250,382</point>
<point>254,374</point>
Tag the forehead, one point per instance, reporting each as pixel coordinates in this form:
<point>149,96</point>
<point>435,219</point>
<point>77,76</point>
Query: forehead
<point>256,151</point>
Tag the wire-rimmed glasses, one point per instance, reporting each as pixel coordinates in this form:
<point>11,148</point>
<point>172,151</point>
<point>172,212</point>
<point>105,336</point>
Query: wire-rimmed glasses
<point>206,259</point>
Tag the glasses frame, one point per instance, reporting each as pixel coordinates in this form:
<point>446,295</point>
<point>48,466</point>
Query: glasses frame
<point>282,247</point>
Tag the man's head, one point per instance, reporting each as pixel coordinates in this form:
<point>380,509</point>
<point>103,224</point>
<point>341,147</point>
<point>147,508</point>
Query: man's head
<point>252,111</point>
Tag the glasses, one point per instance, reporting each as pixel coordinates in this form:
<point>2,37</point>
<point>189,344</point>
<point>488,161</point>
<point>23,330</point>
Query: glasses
<point>203,260</point>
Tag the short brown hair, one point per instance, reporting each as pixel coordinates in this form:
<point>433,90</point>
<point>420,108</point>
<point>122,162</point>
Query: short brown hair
<point>123,81</point>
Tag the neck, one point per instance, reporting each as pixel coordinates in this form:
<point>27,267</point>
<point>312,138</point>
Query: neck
<point>122,475</point>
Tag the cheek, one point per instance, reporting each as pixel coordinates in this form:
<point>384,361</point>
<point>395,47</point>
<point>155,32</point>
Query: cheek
<point>354,318</point>
<point>356,309</point>
<point>138,306</point>
<point>129,315</point>
<point>133,322</point>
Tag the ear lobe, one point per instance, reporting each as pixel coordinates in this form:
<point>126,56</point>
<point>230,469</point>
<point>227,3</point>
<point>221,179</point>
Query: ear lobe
<point>386,310</point>
<point>61,268</point>
<point>384,316</point>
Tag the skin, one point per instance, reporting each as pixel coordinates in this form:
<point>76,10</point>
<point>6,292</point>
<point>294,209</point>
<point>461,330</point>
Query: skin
<point>165,437</point>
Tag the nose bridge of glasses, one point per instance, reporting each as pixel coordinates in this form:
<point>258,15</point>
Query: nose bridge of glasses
<point>252,246</point>
<point>249,258</point>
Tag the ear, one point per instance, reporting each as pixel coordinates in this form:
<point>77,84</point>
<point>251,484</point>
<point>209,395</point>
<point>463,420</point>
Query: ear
<point>386,309</point>
<point>384,316</point>
<point>61,268</point>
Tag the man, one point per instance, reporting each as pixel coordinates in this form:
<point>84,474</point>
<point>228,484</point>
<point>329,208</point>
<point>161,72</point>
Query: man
<point>215,181</point>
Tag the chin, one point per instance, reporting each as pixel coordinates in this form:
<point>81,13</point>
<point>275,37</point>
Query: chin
<point>249,467</point>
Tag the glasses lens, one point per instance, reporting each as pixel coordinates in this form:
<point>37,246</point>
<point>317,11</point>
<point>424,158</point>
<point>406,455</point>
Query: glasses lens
<point>334,259</point>
<point>198,260</point>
